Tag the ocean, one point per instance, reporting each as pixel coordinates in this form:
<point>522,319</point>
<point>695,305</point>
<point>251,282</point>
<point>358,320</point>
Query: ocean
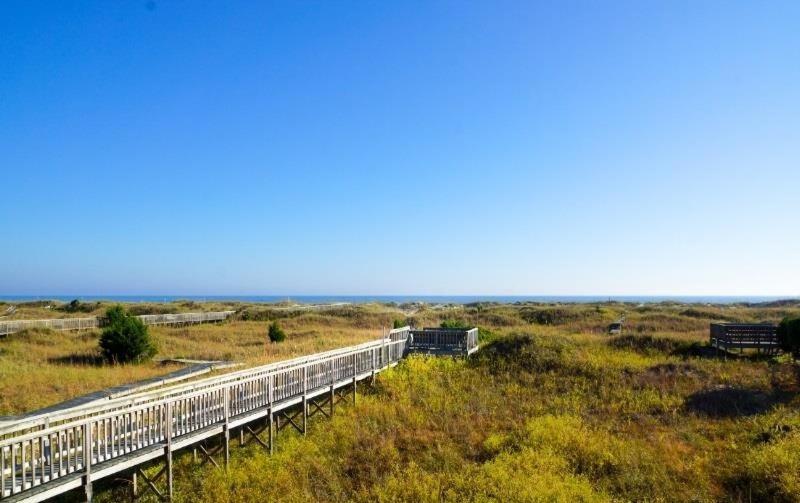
<point>429,299</point>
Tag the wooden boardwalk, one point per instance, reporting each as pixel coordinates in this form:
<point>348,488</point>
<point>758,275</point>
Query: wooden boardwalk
<point>13,326</point>
<point>70,449</point>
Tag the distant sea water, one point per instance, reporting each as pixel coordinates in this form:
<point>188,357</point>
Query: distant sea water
<point>400,299</point>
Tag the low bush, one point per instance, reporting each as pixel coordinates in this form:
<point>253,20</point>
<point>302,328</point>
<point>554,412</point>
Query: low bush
<point>125,338</point>
<point>76,306</point>
<point>523,352</point>
<point>454,323</point>
<point>140,309</point>
<point>705,314</point>
<point>550,316</point>
<point>647,344</point>
<point>789,336</point>
<point>485,335</point>
<point>276,333</point>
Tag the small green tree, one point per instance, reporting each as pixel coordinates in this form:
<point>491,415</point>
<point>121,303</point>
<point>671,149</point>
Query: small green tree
<point>789,336</point>
<point>276,333</point>
<point>125,338</point>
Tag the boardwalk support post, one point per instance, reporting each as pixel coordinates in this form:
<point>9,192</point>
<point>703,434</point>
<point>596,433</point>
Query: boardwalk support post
<point>226,431</point>
<point>87,461</point>
<point>168,451</point>
<point>332,397</point>
<point>305,400</point>
<point>355,379</point>
<point>372,364</point>
<point>270,416</point>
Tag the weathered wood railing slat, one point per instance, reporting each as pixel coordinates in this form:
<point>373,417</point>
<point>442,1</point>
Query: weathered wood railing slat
<point>88,444</point>
<point>13,326</point>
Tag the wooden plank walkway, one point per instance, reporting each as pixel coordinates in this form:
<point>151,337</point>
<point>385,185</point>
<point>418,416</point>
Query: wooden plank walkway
<point>74,447</point>
<point>13,326</point>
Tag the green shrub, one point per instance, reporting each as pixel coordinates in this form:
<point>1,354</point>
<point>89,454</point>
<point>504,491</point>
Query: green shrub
<point>125,338</point>
<point>485,335</point>
<point>789,336</point>
<point>398,324</point>
<point>549,316</point>
<point>140,309</point>
<point>276,333</point>
<point>76,306</point>
<point>647,344</point>
<point>453,323</point>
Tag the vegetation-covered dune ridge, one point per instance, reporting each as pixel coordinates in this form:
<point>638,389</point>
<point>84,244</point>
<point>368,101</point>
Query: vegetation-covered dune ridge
<point>535,417</point>
<point>552,408</point>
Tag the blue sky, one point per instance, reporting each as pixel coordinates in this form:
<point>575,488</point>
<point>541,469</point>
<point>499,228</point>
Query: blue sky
<point>400,148</point>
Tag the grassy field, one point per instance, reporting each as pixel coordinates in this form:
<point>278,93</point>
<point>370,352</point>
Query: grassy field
<point>550,409</point>
<point>42,367</point>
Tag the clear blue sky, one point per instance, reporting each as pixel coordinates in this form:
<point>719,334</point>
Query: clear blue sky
<point>400,147</point>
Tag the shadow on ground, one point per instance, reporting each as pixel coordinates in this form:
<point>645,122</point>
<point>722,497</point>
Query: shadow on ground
<point>736,401</point>
<point>730,401</point>
<point>78,359</point>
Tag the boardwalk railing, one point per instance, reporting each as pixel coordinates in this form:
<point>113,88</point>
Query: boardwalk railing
<point>13,326</point>
<point>10,327</point>
<point>39,422</point>
<point>447,340</point>
<point>761,336</point>
<point>49,456</point>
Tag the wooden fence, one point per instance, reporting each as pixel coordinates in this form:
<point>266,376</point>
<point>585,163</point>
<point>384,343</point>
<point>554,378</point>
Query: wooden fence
<point>42,457</point>
<point>12,326</point>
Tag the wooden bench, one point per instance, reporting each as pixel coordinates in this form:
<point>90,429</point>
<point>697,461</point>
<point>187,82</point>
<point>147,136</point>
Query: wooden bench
<point>760,336</point>
<point>444,340</point>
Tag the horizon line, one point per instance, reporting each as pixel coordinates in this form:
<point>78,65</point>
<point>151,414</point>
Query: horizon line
<point>359,295</point>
